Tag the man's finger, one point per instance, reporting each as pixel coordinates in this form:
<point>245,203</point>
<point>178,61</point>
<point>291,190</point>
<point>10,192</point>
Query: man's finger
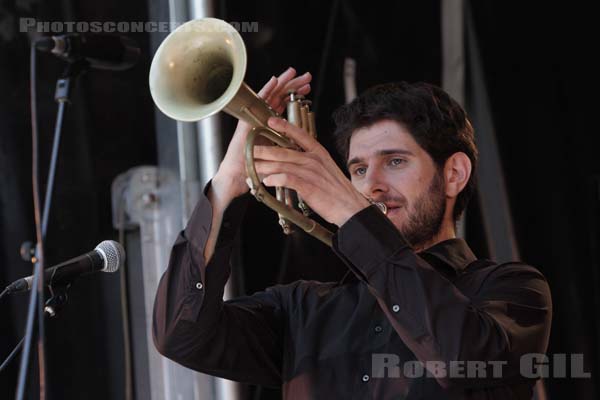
<point>297,83</point>
<point>287,74</point>
<point>282,90</point>
<point>300,136</point>
<point>268,88</point>
<point>276,153</point>
<point>284,180</point>
<point>304,90</point>
<point>281,81</point>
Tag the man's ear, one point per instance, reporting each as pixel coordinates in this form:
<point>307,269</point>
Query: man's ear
<point>457,171</point>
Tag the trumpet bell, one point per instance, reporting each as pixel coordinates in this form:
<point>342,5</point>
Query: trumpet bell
<point>198,69</point>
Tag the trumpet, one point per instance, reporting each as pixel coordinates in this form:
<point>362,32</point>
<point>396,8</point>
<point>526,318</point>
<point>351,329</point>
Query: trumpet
<point>197,71</point>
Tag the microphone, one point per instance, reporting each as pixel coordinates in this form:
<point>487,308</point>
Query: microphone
<point>108,256</point>
<point>100,50</point>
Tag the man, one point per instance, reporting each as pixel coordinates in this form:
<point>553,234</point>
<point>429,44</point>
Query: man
<point>418,316</point>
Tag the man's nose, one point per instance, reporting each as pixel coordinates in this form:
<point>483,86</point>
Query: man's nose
<point>375,182</point>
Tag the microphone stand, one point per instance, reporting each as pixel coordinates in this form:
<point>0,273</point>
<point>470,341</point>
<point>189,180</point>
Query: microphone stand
<point>62,93</point>
<point>53,305</point>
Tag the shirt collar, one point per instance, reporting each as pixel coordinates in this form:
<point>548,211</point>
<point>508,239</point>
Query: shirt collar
<point>449,257</point>
<point>455,253</point>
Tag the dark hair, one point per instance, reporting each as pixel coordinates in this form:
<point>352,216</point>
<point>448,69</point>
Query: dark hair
<point>436,122</point>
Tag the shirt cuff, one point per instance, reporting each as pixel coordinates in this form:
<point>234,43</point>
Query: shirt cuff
<point>367,239</point>
<point>199,224</point>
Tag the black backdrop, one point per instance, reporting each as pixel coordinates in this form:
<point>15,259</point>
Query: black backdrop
<point>537,61</point>
<point>541,78</point>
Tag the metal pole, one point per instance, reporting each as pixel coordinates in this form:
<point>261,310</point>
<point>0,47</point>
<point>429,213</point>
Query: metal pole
<point>493,194</point>
<point>210,153</point>
<point>453,61</point>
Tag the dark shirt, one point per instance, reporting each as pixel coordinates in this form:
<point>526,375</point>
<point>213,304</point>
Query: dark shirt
<point>363,337</point>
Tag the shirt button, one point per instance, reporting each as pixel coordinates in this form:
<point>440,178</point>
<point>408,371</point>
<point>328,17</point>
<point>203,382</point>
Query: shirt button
<point>199,286</point>
<point>365,378</point>
<point>395,308</point>
<point>378,329</point>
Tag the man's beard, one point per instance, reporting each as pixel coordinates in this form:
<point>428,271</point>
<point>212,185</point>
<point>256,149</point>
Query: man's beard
<point>426,215</point>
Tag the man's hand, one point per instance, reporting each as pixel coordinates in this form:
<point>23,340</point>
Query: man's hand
<point>312,173</point>
<point>230,179</point>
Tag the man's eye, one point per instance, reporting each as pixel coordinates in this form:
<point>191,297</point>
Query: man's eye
<point>397,161</point>
<point>360,171</point>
